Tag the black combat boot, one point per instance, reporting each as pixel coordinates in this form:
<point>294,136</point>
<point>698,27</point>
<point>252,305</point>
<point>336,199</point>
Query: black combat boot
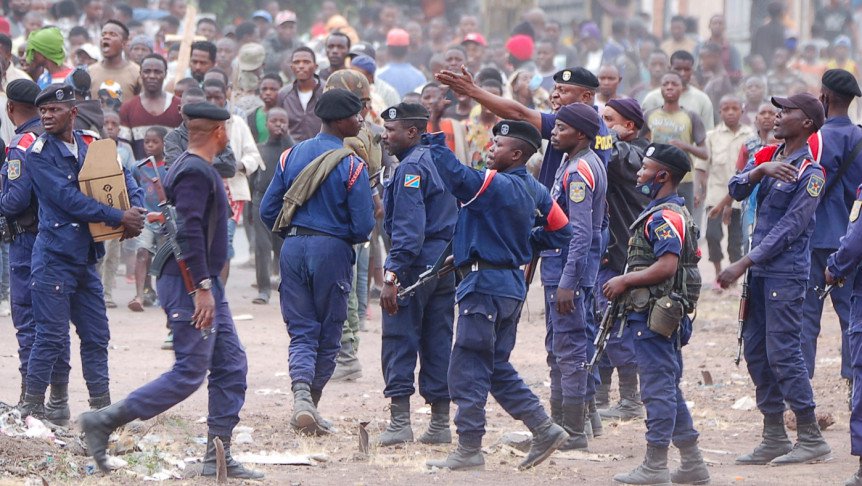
<point>557,411</point>
<point>305,418</point>
<point>692,470</point>
<point>629,407</point>
<point>467,457</point>
<point>100,401</point>
<point>652,471</point>
<point>57,408</point>
<point>438,430</point>
<point>234,468</point>
<point>32,406</point>
<point>573,423</point>
<point>547,438</point>
<point>856,479</point>
<point>774,444</point>
<point>399,430</point>
<point>603,390</point>
<point>595,419</point>
<point>326,424</point>
<point>810,447</point>
<point>97,427</point>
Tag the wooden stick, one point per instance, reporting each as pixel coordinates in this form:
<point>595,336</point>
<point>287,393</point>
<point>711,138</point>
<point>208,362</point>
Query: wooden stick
<point>185,54</point>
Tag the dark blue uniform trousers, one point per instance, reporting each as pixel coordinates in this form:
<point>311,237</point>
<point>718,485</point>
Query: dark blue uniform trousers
<point>62,292</point>
<point>854,335</point>
<point>221,354</point>
<point>316,276</point>
<point>566,345</point>
<point>660,370</point>
<point>484,339</point>
<point>620,351</point>
<point>20,251</point>
<point>812,312</point>
<point>773,350</point>
<point>422,326</point>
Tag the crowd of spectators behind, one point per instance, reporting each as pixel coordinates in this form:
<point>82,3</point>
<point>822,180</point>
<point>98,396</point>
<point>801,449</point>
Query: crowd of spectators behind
<point>269,70</point>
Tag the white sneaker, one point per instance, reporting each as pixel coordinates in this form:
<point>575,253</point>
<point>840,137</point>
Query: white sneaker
<point>5,309</point>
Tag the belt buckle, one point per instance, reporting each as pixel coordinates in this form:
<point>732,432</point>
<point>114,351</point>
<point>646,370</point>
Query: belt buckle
<point>291,231</point>
<point>474,267</point>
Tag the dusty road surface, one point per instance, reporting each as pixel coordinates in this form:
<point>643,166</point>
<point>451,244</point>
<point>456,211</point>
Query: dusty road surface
<point>135,358</point>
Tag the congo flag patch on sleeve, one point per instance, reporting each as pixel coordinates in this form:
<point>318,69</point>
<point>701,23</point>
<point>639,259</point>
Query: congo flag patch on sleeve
<point>412,181</point>
<point>815,185</point>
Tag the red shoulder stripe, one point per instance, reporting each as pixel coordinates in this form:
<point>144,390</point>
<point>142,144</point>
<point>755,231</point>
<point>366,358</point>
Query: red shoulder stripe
<point>765,154</point>
<point>676,223</point>
<point>586,173</point>
<point>283,158</point>
<point>815,145</point>
<point>489,176</point>
<point>26,141</point>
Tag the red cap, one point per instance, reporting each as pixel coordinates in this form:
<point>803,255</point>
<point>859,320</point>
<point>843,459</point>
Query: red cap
<point>520,47</point>
<point>5,28</point>
<point>397,38</point>
<point>475,37</point>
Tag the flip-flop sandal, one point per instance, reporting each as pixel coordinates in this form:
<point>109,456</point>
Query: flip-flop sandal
<point>136,305</point>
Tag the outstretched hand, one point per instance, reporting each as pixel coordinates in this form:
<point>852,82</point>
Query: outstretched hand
<point>459,83</point>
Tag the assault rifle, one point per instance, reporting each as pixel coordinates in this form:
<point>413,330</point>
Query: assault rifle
<point>742,316</point>
<point>604,334</point>
<point>442,267</point>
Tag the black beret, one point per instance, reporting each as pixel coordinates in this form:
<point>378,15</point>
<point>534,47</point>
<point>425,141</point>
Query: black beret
<point>337,104</point>
<point>22,91</point>
<point>841,82</point>
<point>520,130</point>
<point>581,117</point>
<point>55,93</point>
<point>206,111</point>
<point>669,156</point>
<point>578,76</point>
<point>405,111</point>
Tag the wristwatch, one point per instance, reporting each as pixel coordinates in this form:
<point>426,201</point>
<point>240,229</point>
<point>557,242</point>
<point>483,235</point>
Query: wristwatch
<point>390,278</point>
<point>205,284</point>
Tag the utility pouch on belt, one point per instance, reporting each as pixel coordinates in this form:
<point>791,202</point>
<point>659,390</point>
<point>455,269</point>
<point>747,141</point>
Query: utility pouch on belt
<point>639,299</point>
<point>665,316</point>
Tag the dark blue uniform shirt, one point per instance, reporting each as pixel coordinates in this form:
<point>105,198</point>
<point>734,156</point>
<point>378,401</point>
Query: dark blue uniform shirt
<point>341,207</point>
<point>837,137</point>
<point>503,217</point>
<point>17,187</point>
<point>420,215</point>
<point>553,157</point>
<point>785,216</point>
<point>665,229</point>
<point>848,257</point>
<point>198,194</point>
<point>64,211</point>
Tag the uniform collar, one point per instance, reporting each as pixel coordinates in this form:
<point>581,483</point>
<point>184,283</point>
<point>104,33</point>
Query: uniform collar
<point>403,156</point>
<point>28,125</point>
<point>330,137</point>
<point>675,198</point>
<point>838,120</point>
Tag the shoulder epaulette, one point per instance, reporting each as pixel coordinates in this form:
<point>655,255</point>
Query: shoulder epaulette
<point>36,148</point>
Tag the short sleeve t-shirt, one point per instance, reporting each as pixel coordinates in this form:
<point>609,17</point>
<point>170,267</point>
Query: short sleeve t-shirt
<point>682,125</point>
<point>128,77</point>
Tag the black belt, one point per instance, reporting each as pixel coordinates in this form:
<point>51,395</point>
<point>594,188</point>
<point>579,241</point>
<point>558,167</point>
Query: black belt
<point>300,231</point>
<point>468,268</point>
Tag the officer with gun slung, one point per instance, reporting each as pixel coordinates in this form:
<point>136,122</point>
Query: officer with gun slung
<point>420,219</point>
<point>64,283</point>
<point>20,209</point>
<point>198,194</point>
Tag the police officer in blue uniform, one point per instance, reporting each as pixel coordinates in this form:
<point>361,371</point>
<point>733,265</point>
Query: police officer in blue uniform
<point>569,274</point>
<point>571,85</point>
<point>205,338</point>
<point>625,202</point>
<point>843,267</point>
<point>419,219</point>
<point>504,214</point>
<point>790,188</point>
<point>18,205</point>
<point>832,146</point>
<point>657,292</point>
<point>317,256</point>
<point>64,283</point>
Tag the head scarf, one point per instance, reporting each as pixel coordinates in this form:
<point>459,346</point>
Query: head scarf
<point>49,43</point>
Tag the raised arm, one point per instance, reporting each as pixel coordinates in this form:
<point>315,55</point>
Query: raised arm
<point>463,84</point>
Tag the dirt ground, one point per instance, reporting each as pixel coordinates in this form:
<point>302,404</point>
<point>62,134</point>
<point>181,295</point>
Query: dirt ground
<point>135,358</point>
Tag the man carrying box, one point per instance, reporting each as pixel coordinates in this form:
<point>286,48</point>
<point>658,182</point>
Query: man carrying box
<point>65,285</point>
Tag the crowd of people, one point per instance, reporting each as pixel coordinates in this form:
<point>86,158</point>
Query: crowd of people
<point>364,155</point>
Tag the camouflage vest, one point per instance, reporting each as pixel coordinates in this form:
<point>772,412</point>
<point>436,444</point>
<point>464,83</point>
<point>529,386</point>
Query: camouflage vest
<point>685,283</point>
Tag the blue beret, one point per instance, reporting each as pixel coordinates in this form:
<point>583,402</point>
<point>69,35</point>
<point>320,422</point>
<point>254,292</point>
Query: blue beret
<point>55,93</point>
<point>206,111</point>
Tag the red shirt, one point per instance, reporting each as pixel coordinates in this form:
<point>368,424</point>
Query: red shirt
<point>135,121</point>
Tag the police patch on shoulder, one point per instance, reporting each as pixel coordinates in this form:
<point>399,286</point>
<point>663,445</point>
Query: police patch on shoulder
<point>412,181</point>
<point>854,211</point>
<point>14,169</point>
<point>815,185</point>
<point>578,191</point>
<point>664,232</point>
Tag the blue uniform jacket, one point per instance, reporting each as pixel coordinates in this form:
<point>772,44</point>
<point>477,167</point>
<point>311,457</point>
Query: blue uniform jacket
<point>785,215</point>
<point>17,187</point>
<point>583,193</point>
<point>420,215</point>
<point>833,143</point>
<point>196,189</point>
<point>846,260</point>
<point>341,207</point>
<point>504,216</point>
<point>64,211</point>
<point>553,157</point>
